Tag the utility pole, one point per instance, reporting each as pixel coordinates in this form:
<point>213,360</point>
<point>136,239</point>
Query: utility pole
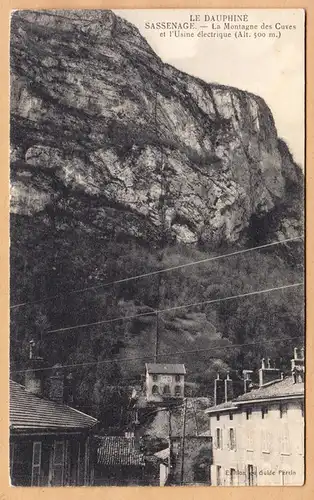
<point>183,442</point>
<point>170,443</point>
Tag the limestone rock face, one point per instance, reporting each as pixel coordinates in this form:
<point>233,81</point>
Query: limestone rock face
<point>96,115</point>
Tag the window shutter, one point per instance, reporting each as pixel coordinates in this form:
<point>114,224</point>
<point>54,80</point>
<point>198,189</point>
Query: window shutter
<point>36,463</point>
<point>215,439</point>
<point>58,463</point>
<point>255,475</point>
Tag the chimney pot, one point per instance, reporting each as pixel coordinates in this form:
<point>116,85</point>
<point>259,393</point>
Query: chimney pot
<point>269,373</point>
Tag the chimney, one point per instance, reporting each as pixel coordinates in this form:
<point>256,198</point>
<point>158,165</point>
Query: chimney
<point>297,365</point>
<point>228,388</point>
<point>56,384</point>
<point>247,380</point>
<point>268,373</point>
<point>219,390</point>
<point>34,376</point>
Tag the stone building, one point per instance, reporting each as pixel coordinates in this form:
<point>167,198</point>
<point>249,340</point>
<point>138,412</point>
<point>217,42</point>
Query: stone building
<point>164,380</point>
<point>258,436</point>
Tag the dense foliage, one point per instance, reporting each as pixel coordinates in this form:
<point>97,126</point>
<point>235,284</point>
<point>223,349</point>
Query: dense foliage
<point>52,261</point>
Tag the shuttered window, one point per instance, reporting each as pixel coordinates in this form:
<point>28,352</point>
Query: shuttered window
<point>36,463</point>
<point>232,439</point>
<point>285,441</point>
<point>58,464</point>
<point>252,475</point>
<point>219,475</point>
<point>218,441</point>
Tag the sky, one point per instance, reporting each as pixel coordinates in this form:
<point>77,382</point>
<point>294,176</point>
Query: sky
<point>271,67</point>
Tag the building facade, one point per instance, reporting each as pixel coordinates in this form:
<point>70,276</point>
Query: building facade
<point>164,381</point>
<point>258,437</point>
<point>50,442</point>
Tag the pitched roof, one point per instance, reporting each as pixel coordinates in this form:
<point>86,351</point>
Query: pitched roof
<point>118,450</point>
<point>284,388</point>
<point>228,405</point>
<point>31,412</point>
<point>163,454</point>
<point>171,369</point>
<point>281,389</point>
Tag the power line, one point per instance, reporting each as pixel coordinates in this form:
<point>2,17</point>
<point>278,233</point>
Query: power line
<point>174,308</point>
<point>153,273</point>
<point>133,358</point>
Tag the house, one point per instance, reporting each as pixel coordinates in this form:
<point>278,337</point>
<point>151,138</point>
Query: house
<point>119,462</point>
<point>186,462</point>
<point>50,442</point>
<point>164,380</point>
<point>258,436</point>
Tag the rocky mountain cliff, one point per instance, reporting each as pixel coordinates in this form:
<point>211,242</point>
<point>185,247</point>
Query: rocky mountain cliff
<point>95,112</point>
<point>115,156</point>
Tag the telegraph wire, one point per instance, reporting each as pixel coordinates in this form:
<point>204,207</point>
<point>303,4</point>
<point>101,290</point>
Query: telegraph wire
<point>133,358</point>
<point>174,308</point>
<point>153,273</point>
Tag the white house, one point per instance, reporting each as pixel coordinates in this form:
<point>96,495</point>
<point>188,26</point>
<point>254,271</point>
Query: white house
<point>258,437</point>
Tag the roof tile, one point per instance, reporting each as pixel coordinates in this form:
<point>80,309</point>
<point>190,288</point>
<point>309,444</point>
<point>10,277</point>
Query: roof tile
<point>31,412</point>
<point>118,450</point>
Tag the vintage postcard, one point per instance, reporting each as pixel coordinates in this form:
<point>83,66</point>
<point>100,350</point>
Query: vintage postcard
<point>157,247</point>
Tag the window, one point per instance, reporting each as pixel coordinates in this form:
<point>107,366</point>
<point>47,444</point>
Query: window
<point>232,440</point>
<point>219,478</point>
<point>232,477</point>
<point>155,389</point>
<point>248,413</point>
<point>264,412</point>
<point>177,390</point>
<point>219,438</point>
<point>155,377</point>
<point>230,416</point>
<point>166,389</point>
<point>251,475</point>
<point>217,417</point>
<point>36,463</point>
<point>285,441</point>
<point>250,443</point>
<point>178,378</point>
<point>283,410</point>
<point>266,441</point>
<point>57,464</point>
